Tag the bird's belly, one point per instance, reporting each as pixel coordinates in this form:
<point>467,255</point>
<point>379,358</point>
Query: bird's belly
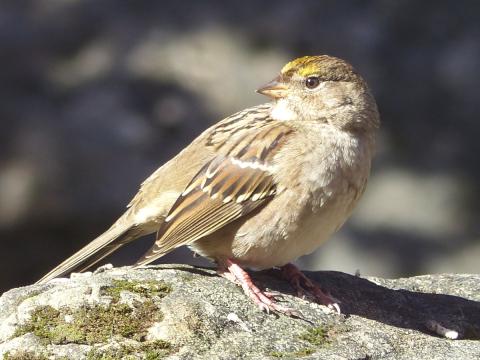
<point>265,242</point>
<point>284,230</point>
<point>314,229</point>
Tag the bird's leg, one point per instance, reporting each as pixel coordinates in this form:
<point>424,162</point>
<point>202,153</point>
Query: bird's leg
<point>302,284</point>
<point>233,272</point>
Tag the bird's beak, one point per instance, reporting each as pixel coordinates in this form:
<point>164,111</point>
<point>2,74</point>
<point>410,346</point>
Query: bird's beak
<point>275,89</point>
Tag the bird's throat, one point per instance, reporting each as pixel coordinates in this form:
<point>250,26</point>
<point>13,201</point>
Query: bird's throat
<point>281,111</point>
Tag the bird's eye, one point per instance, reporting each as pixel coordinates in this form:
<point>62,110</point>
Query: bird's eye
<point>312,82</point>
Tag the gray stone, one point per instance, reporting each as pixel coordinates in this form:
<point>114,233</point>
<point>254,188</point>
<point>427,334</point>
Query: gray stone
<point>183,312</point>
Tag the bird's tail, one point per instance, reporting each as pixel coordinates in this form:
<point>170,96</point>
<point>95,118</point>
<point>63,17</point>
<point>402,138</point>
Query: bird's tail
<point>115,237</point>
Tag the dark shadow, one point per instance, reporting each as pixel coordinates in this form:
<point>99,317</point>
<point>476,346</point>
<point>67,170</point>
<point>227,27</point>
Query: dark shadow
<point>400,308</point>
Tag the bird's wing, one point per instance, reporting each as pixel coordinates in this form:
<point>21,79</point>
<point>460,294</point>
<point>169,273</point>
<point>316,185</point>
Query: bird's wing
<point>234,182</point>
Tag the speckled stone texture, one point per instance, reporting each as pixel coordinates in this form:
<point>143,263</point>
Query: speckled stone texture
<point>182,312</point>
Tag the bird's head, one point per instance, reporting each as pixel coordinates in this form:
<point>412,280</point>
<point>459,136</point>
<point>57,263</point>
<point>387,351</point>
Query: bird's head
<point>314,87</point>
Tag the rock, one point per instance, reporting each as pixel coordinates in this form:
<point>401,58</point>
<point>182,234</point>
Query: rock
<point>183,312</point>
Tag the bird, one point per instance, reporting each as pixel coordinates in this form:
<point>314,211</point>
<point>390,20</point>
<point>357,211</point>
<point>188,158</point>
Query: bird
<point>261,187</point>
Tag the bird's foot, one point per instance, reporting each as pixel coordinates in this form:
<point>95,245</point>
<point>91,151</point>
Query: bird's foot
<point>264,300</point>
<point>304,286</point>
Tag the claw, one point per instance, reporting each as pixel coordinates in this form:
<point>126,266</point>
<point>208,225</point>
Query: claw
<point>303,285</point>
<point>264,300</point>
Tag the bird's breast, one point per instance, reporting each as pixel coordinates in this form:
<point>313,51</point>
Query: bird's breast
<point>311,208</point>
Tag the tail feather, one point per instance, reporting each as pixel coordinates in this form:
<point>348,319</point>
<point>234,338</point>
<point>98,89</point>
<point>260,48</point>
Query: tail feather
<point>95,251</point>
<point>149,257</point>
<point>99,256</point>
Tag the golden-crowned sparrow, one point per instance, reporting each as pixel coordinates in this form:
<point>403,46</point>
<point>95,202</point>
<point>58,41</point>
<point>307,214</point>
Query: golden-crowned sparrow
<point>261,187</point>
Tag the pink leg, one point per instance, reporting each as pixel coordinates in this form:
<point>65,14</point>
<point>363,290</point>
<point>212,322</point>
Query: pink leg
<point>233,272</point>
<point>303,284</point>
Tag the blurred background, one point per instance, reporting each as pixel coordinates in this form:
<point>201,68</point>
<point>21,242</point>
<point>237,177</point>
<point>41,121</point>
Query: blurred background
<point>96,94</point>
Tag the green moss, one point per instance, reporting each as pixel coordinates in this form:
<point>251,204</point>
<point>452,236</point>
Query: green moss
<point>156,349</point>
<point>98,355</point>
<point>97,324</point>
<point>143,288</point>
<point>316,336</point>
<point>277,354</point>
<point>147,350</point>
<point>23,355</point>
<point>304,352</point>
<point>91,325</point>
<point>112,353</point>
<point>42,320</point>
<point>29,295</point>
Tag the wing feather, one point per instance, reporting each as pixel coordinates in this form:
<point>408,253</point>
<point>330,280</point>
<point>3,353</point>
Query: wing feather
<point>233,183</point>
